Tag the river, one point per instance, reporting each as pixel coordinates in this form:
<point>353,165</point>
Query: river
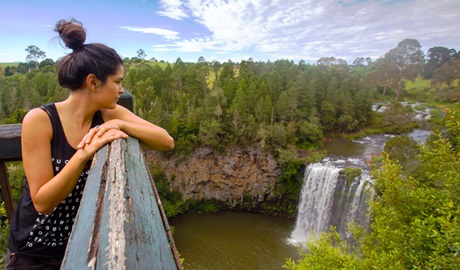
<point>233,240</point>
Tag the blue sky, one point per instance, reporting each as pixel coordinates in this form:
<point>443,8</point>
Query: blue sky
<point>234,30</point>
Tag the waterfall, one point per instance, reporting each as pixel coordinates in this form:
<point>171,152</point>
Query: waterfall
<point>328,198</point>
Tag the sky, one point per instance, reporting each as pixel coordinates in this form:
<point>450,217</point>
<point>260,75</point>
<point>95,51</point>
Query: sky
<point>236,30</point>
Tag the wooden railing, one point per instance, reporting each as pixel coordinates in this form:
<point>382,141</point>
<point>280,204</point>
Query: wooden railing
<point>10,150</point>
<point>121,223</point>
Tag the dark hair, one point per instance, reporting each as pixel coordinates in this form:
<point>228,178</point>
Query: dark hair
<point>94,58</point>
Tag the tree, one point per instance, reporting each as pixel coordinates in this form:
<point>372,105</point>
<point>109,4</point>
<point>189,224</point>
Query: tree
<point>226,73</point>
<point>34,54</point>
<point>331,61</point>
<point>10,70</point>
<point>406,62</point>
<point>447,73</point>
<point>25,68</point>
<point>210,132</point>
<point>359,61</point>
<point>47,62</point>
<point>284,107</point>
<point>328,116</point>
<point>310,135</point>
<point>405,151</point>
<point>397,119</point>
<point>385,76</point>
<point>437,56</point>
<point>215,68</point>
<point>201,61</point>
<point>141,54</point>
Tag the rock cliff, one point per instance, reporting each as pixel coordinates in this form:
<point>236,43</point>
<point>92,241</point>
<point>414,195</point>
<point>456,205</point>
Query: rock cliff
<point>237,174</point>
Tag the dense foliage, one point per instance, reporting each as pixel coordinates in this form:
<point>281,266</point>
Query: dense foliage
<point>415,220</point>
<point>273,104</point>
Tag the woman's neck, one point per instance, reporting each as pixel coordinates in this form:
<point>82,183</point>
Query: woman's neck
<point>78,108</point>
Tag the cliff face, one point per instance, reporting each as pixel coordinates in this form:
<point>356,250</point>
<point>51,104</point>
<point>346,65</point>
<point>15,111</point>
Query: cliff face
<point>228,177</point>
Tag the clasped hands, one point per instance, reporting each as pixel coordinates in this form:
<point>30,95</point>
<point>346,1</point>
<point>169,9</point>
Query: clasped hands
<point>100,135</point>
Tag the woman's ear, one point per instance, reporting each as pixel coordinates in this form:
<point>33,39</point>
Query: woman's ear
<point>93,82</point>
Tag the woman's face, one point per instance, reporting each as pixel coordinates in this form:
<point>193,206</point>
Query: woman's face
<point>109,93</point>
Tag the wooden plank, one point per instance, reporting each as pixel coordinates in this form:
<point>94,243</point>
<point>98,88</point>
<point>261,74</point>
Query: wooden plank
<point>149,241</point>
<point>131,231</point>
<point>112,240</point>
<point>164,218</point>
<point>10,142</point>
<point>10,150</point>
<point>6,190</point>
<point>126,100</point>
<point>82,247</point>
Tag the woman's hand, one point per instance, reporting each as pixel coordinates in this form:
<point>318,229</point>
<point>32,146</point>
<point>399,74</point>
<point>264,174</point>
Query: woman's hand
<point>153,136</point>
<point>99,136</point>
<point>98,131</point>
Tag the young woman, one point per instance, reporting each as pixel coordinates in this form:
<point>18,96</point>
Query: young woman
<point>58,143</point>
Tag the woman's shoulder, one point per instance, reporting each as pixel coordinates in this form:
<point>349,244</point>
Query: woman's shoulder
<point>36,114</point>
<point>36,120</point>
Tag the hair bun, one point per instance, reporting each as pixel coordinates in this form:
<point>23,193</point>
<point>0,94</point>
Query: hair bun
<point>72,33</point>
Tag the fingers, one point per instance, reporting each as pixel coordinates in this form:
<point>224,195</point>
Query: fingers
<point>100,130</point>
<point>92,138</point>
<point>91,133</point>
<point>88,137</point>
<point>104,135</point>
<point>109,125</point>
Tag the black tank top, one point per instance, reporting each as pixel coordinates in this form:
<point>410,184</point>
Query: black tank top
<point>39,235</point>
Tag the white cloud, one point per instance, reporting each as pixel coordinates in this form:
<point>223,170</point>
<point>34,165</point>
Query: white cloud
<point>192,45</point>
<point>172,9</point>
<point>167,34</point>
<point>311,29</point>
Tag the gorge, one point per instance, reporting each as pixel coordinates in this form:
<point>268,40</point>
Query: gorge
<point>207,175</point>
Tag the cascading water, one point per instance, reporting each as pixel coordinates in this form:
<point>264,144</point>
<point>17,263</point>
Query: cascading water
<point>328,198</point>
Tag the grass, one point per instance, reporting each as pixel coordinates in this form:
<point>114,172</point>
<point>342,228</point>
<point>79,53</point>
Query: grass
<point>5,64</point>
<point>163,65</point>
<point>418,83</point>
<point>352,173</point>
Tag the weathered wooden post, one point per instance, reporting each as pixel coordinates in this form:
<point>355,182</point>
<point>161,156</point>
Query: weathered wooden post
<point>126,100</point>
<point>120,223</point>
<point>10,150</point>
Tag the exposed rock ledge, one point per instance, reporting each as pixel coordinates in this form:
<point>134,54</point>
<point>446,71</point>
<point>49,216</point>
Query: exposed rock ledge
<point>227,177</point>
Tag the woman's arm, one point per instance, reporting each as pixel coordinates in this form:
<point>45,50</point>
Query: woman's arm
<point>121,118</point>
<point>47,190</point>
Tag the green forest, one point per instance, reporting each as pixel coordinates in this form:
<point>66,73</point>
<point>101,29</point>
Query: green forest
<point>287,108</point>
